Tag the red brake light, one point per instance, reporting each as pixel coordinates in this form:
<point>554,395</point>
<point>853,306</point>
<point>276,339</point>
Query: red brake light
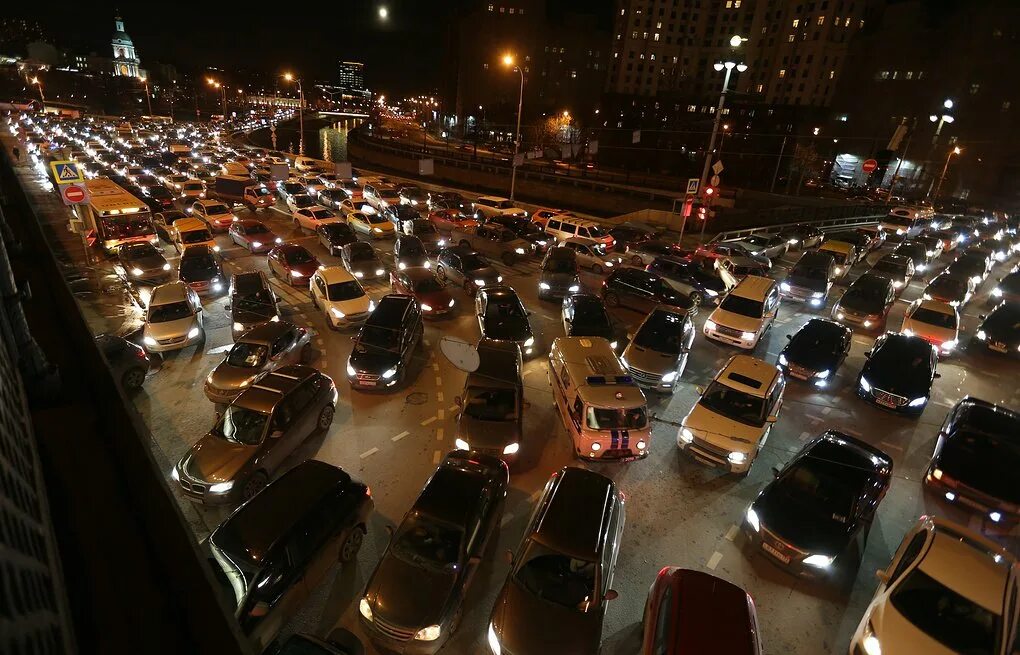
<point>368,490</point>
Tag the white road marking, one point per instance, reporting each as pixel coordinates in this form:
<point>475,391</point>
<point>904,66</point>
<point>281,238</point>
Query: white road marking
<point>442,414</point>
<point>891,445</point>
<point>427,421</point>
<point>714,560</point>
<point>427,342</point>
<point>731,534</point>
<point>400,436</point>
<point>526,373</point>
<point>369,452</point>
<point>506,519</point>
<point>804,435</point>
<point>439,434</point>
<point>436,457</point>
<point>439,381</point>
<point>453,408</point>
<point>439,396</point>
<point>435,366</point>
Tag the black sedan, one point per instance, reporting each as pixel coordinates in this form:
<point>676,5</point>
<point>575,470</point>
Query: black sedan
<point>414,600</point>
<point>899,373</point>
<point>334,236</point>
<point>502,317</point>
<point>1007,289</point>
<point>976,458</point>
<point>816,351</point>
<point>802,236</point>
<point>956,291</point>
<point>1000,329</point>
<point>409,252</point>
<point>585,315</point>
<point>142,262</point>
<point>814,518</point>
<point>866,302</point>
<point>917,252</point>
<point>972,265</point>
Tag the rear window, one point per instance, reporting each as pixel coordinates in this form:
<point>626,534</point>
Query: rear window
<point>944,615</point>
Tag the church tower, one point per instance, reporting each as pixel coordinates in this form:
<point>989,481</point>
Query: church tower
<point>125,59</point>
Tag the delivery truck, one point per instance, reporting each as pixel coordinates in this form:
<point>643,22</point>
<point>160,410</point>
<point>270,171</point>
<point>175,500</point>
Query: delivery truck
<point>235,189</point>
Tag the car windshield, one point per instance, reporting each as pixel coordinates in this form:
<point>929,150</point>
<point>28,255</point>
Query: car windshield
<point>840,257</point>
<point>201,265</point>
<point>169,312</point>
<point>256,228</point>
<point>138,250</point>
<point>321,214</point>
<point>247,355</point>
<point>490,404</point>
<point>609,418</point>
<point>899,353</point>
<point>473,262</point>
<point>932,317</point>
<point>411,248</point>
<point>261,191</point>
<point>196,236</point>
<point>360,252</point>
<point>957,622</point>
<point>742,306</point>
<point>504,204</point>
<point>873,288</point>
<point>379,338</point>
<point>192,186</point>
<point>559,265</point>
<point>376,219</point>
<point>595,232</point>
<point>423,226</point>
<point>588,311</point>
<point>735,404</point>
<point>116,228</point>
<point>241,425</point>
<point>428,285</point>
<point>260,301</point>
<point>898,269</point>
<point>557,578</point>
<point>819,486</point>
<point>216,209</point>
<point>662,332</point>
<point>339,291</point>
<point>424,541</point>
<point>298,256</point>
<point>952,286</point>
<point>811,272</point>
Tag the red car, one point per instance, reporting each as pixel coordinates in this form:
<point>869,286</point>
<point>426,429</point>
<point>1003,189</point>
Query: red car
<point>293,263</point>
<point>451,219</point>
<point>693,612</point>
<point>426,288</point>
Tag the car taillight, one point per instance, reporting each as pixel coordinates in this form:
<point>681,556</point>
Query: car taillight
<point>368,490</point>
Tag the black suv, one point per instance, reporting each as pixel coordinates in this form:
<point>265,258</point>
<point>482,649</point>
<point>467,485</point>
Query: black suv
<point>251,301</point>
<point>385,344</point>
<point>269,555</point>
<point>641,290</point>
<point>416,593</point>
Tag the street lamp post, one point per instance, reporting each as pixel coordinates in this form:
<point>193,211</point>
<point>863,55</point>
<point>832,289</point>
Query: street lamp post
<point>223,94</point>
<point>508,60</point>
<point>148,98</point>
<point>301,111</point>
<point>36,81</point>
<point>728,66</point>
<point>955,151</point>
<point>941,119</point>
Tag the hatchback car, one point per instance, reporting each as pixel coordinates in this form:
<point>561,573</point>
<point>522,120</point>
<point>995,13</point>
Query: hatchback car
<point>362,261</point>
<point>466,268</point>
<point>386,344</point>
<point>439,545</point>
<point>298,201</point>
<point>814,519</point>
<point>502,317</point>
<point>490,419</point>
<point>899,373</point>
<point>802,236</point>
<point>265,347</point>
<point>421,283</point>
<point>561,576</point>
<point>267,562</point>
<point>641,291</point>
<point>253,235</point>
<point>451,219</point>
<point>128,362</point>
<point>143,262</point>
<point>340,297</point>
<point>293,263</point>
<point>971,265</point>
<point>334,236</point>
<point>866,303</point>
<point>898,268</point>
<point>173,319</point>
<point>657,353</point>
<point>592,255</point>
<point>251,301</point>
<point>936,322</point>
<point>255,435</point>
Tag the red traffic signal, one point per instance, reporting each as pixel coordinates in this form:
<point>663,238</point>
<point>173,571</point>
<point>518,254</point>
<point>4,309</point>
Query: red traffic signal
<point>709,190</point>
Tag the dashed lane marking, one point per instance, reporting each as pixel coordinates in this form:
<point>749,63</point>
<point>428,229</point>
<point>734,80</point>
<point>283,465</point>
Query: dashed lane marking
<point>804,435</point>
<point>453,408</point>
<point>442,414</point>
<point>439,396</point>
<point>714,560</point>
<point>506,519</point>
<point>436,457</point>
<point>400,436</point>
<point>731,534</point>
<point>369,452</point>
<point>439,381</point>
<point>428,421</point>
<point>439,434</point>
<point>435,366</point>
<point>891,445</point>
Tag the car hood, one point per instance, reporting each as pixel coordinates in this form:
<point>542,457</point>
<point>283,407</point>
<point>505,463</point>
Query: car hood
<point>527,625</point>
<point>248,317</point>
<point>930,333</point>
<point>805,282</point>
<point>650,361</point>
<point>811,358</point>
<point>215,460</point>
<point>897,634</point>
<point>352,306</point>
<point>721,430</point>
<point>488,435</point>
<point>150,263</point>
<point>372,361</point>
<point>305,268</point>
<point>895,378</point>
<point>411,260</point>
<point>170,329</point>
<point>862,305</point>
<point>1000,327</point>
<point>487,273</point>
<point>735,321</point>
<point>805,531</point>
<point>231,378</point>
<point>435,299</point>
<point>411,606</point>
<point>365,266</point>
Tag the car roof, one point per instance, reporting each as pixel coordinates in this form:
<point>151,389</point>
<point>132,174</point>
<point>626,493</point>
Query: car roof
<point>493,198</point>
<point>390,308</point>
<point>168,293</point>
<point>254,528</point>
<point>500,292</point>
<point>893,257</point>
<point>748,374</point>
<point>289,248</point>
<point>419,273</point>
<point>573,520</point>
<point>248,222</point>
<point>334,274</point>
<point>265,333</point>
<point>937,306</point>
<point>270,388</point>
<point>451,494</point>
<point>754,287</point>
<point>969,564</point>
<point>499,363</point>
<point>702,601</point>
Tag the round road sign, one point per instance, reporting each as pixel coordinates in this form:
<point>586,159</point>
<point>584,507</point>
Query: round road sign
<point>74,194</point>
<point>869,166</point>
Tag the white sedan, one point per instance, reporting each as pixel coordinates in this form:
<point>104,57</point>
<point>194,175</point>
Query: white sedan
<point>310,218</point>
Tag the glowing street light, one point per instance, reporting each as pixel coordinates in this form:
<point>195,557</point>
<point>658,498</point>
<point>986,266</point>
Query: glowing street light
<point>148,98</point>
<point>36,81</point>
<point>301,106</point>
<point>719,66</point>
<point>955,151</point>
<point>384,13</point>
<point>508,61</point>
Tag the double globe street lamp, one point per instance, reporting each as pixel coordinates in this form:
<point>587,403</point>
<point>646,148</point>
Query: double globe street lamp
<point>728,66</point>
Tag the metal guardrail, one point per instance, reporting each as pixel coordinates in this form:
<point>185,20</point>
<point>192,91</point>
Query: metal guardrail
<point>824,224</point>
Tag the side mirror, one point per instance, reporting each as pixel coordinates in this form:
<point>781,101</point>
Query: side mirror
<point>938,375</point>
<point>700,390</point>
<point>772,419</point>
<point>459,401</point>
<point>867,354</point>
<point>611,594</point>
<point>226,307</point>
<point>509,557</point>
<point>882,575</point>
<point>789,337</point>
<point>775,471</point>
<point>276,434</point>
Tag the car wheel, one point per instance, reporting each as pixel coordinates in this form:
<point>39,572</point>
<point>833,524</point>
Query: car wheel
<point>307,354</point>
<point>315,303</point>
<point>611,299</point>
<point>441,273</point>
<point>464,243</point>
<point>325,418</point>
<point>132,379</point>
<point>253,485</point>
<point>637,261</point>
<point>696,298</point>
<point>596,269</point>
<point>352,544</point>
<point>508,258</point>
<point>469,288</point>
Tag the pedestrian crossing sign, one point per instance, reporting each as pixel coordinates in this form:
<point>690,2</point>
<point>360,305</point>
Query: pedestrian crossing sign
<point>66,172</point>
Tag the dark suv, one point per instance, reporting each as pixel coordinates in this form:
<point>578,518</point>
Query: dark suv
<point>641,291</point>
<point>255,434</point>
<point>491,415</point>
<point>250,301</point>
<point>414,600</point>
<point>385,344</point>
<point>200,270</point>
<point>269,555</point>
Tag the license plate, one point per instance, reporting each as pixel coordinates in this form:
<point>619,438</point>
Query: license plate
<point>885,402</point>
<point>785,559</point>
<point>367,383</point>
<point>998,347</point>
<point>706,462</point>
<point>798,375</point>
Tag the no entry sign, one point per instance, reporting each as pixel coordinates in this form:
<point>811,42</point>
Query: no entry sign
<point>869,166</point>
<point>74,194</point>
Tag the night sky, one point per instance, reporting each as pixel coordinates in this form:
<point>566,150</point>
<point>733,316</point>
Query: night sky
<point>402,54</point>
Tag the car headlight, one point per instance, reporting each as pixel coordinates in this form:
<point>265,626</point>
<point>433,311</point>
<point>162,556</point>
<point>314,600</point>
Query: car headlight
<point>596,446</point>
<point>668,377</point>
<point>920,268</point>
<point>917,402</point>
<point>238,327</point>
<point>613,344</point>
<point>175,474</point>
<point>981,335</point>
<point>193,332</point>
<point>519,251</point>
<point>819,561</point>
<point>499,278</point>
<point>865,384</point>
<point>221,487</point>
<point>949,345</point>
<point>441,243</point>
<point>870,642</point>
<point>711,293</point>
<point>336,312</point>
<point>753,520</point>
<point>543,286</point>
<point>793,242</point>
<point>686,435</point>
<point>976,279</point>
<point>350,370</point>
<point>461,444</point>
<point>256,244</point>
<point>710,325</point>
<point>371,305</point>
<point>823,375</point>
<point>737,458</point>
<point>530,342</point>
<point>747,336</point>
<point>783,360</point>
<point>997,292</point>
<point>908,332</point>
<point>365,609</point>
<point>379,271</point>
<point>389,373</point>
<point>784,286</point>
<point>839,270</point>
<point>149,341</point>
<point>296,274</point>
<point>494,642</point>
<point>511,449</point>
<point>426,307</point>
<point>359,274</point>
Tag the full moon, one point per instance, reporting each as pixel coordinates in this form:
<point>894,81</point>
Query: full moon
<point>384,13</point>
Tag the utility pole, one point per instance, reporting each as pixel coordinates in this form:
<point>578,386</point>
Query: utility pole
<point>779,162</point>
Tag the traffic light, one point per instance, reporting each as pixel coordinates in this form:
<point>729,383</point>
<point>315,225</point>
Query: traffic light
<point>709,191</point>
<point>700,211</point>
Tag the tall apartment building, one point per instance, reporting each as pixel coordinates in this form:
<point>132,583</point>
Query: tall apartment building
<point>351,76</point>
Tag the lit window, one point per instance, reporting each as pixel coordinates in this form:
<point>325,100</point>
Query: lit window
<point>502,10</point>
<point>623,12</point>
<point>655,37</point>
<point>796,22</point>
<point>974,88</point>
<point>821,20</point>
<point>789,39</point>
<point>511,10</point>
<point>760,88</point>
<point>642,55</point>
<point>491,7</point>
<point>692,108</point>
<point>909,75</point>
<point>573,73</point>
<point>1005,105</point>
<point>633,35</point>
<point>658,25</point>
<point>652,57</point>
<point>895,74</point>
<point>736,4</point>
<point>832,75</point>
<point>485,66</point>
<point>861,26</point>
<point>637,11</point>
<point>882,75</point>
<point>729,4</point>
<point>521,10</point>
<point>644,35</point>
<point>782,72</point>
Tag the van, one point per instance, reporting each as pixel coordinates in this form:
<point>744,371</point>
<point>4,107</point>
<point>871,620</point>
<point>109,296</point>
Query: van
<point>565,227</point>
<point>235,168</point>
<point>843,253</point>
<point>746,313</point>
<point>491,407</point>
<point>192,232</point>
<point>604,412</point>
<point>305,163</point>
<point>906,222</point>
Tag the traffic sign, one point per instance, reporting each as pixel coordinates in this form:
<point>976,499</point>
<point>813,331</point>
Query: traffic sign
<point>66,172</point>
<point>74,194</point>
<point>717,167</point>
<point>715,180</point>
<point>692,185</point>
<point>688,204</point>
<point>869,166</point>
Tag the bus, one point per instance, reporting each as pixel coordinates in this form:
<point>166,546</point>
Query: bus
<point>906,222</point>
<point>114,217</point>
